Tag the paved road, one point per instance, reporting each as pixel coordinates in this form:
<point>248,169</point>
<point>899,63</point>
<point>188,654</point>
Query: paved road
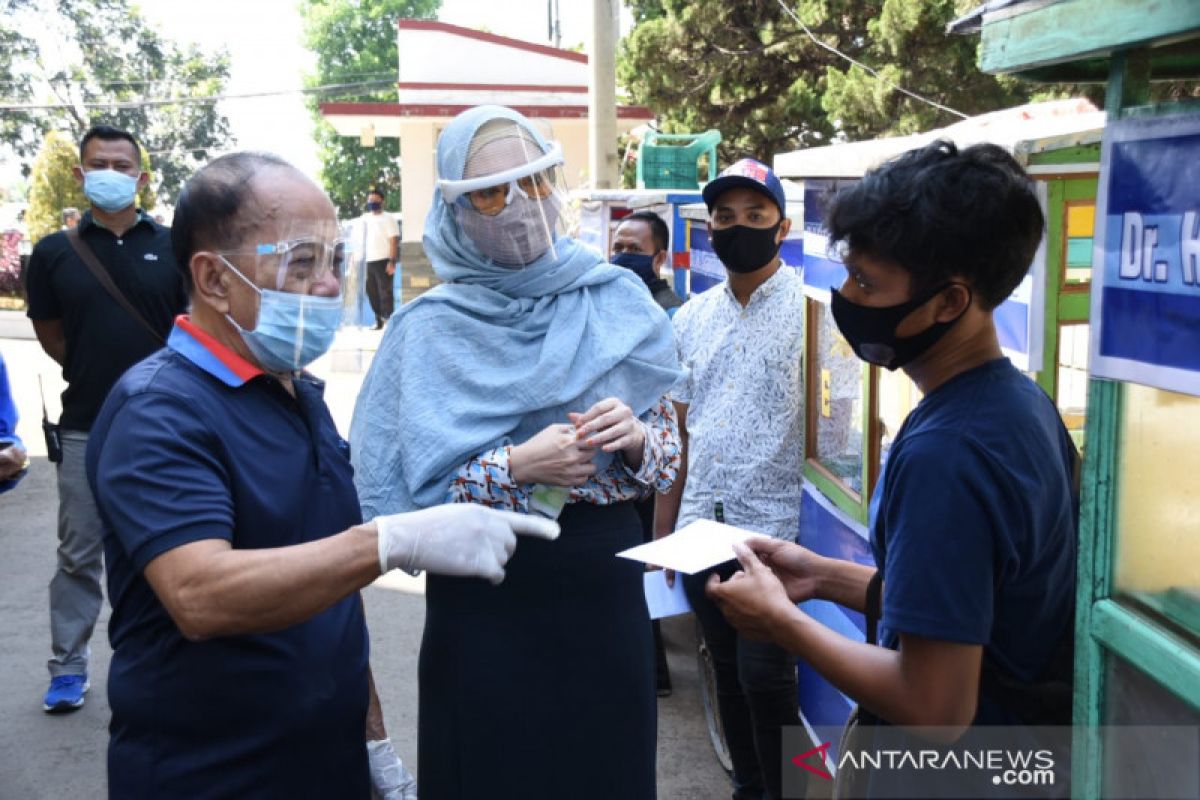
<point>62,758</point>
<point>14,325</point>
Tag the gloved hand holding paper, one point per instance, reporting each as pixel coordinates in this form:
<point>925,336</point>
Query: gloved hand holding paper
<point>695,547</point>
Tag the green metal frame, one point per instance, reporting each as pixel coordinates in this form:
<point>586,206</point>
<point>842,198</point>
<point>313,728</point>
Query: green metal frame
<point>835,492</point>
<point>1094,582</point>
<point>1070,40</point>
<point>1103,625</point>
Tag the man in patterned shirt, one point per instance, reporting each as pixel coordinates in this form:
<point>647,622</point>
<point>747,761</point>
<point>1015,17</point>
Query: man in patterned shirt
<point>741,422</point>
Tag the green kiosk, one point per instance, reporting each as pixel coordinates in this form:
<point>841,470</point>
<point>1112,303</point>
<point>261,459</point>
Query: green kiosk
<point>1137,645</point>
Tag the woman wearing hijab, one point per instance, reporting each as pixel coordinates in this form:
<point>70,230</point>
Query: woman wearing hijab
<point>535,365</point>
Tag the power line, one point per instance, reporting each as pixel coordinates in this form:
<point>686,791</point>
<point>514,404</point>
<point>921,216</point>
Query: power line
<point>154,102</point>
<point>863,66</point>
<point>170,80</point>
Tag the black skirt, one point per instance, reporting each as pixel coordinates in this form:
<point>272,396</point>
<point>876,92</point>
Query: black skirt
<point>543,686</point>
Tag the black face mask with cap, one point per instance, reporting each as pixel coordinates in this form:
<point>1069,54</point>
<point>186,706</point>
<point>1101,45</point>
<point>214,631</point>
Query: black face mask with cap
<point>871,332</point>
<point>744,249</point>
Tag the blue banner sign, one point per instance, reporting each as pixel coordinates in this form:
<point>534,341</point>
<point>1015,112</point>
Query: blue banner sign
<point>707,269</point>
<point>1146,261</point>
<point>822,266</point>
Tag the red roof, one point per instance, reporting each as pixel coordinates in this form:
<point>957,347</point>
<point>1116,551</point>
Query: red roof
<point>470,33</point>
<point>453,110</point>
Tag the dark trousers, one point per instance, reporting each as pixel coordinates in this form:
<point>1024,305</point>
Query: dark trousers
<point>379,290</point>
<point>542,688</point>
<point>756,693</point>
<point>662,672</point>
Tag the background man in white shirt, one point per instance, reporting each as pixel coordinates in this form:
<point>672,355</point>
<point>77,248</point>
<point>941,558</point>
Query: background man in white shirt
<point>382,243</point>
<point>741,423</point>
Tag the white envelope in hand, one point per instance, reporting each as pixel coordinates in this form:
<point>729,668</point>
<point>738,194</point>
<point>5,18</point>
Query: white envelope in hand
<point>693,548</point>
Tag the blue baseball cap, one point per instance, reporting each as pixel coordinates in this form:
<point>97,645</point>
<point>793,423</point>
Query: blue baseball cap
<point>751,174</point>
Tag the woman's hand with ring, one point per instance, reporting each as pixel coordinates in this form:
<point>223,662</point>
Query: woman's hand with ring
<point>554,456</point>
<point>611,426</point>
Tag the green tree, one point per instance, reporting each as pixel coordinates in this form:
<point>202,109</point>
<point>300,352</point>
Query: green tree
<point>909,47</point>
<point>52,185</point>
<point>749,70</point>
<point>107,67</point>
<point>16,84</point>
<point>355,42</point>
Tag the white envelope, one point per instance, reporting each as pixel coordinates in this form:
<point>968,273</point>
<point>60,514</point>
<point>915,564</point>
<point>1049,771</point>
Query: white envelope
<point>693,548</point>
<point>662,600</point>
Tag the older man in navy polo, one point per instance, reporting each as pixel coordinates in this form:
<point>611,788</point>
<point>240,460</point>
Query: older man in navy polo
<point>234,538</point>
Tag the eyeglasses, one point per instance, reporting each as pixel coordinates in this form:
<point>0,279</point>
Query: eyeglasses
<point>493,199</point>
<point>305,260</point>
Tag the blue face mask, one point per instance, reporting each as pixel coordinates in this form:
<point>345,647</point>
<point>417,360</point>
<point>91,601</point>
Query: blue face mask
<point>640,263</point>
<point>293,330</point>
<point>374,206</point>
<point>109,190</point>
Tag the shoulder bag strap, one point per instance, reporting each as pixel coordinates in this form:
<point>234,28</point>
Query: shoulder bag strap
<point>873,608</point>
<point>101,274</point>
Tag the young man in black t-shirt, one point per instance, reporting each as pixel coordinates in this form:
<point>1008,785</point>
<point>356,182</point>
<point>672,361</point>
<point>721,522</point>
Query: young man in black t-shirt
<point>82,327</point>
<point>973,521</point>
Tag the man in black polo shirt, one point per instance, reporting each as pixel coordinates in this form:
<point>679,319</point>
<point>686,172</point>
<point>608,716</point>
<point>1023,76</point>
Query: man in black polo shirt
<point>82,327</point>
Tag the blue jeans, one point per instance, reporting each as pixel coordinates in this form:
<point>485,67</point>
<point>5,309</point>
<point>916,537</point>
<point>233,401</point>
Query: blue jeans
<point>756,693</point>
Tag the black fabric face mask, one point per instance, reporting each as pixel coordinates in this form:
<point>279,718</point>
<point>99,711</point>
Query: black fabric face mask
<point>871,332</point>
<point>744,249</point>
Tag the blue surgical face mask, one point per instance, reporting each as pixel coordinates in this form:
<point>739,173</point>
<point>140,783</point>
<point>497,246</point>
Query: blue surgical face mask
<point>374,205</point>
<point>293,330</point>
<point>110,190</point>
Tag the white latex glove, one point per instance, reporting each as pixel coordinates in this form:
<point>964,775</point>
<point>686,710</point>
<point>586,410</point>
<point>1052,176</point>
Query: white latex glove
<point>456,539</point>
<point>389,778</point>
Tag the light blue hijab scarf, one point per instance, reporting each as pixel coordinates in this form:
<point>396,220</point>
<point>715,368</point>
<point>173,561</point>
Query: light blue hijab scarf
<point>496,353</point>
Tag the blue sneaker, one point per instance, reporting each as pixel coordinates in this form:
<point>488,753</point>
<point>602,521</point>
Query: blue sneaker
<point>65,694</point>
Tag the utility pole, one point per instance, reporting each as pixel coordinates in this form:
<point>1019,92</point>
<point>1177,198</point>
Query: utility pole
<point>554,20</point>
<point>602,96</point>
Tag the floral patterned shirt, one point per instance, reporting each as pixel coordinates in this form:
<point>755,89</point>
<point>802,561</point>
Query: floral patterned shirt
<point>487,480</point>
<point>744,392</point>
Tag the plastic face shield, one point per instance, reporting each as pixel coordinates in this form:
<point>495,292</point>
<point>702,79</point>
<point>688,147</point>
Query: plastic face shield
<point>511,201</point>
<point>304,258</point>
<point>532,172</point>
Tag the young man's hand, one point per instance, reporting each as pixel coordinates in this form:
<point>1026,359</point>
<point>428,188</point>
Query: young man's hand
<point>753,599</point>
<point>795,566</point>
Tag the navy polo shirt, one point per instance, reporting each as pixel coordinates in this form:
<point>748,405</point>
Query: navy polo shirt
<point>195,443</point>
<point>973,523</point>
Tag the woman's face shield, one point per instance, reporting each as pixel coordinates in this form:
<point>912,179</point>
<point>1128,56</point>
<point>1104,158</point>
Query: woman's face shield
<point>494,199</point>
<point>511,201</point>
